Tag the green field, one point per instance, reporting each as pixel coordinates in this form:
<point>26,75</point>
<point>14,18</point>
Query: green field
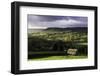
<point>53,44</point>
<point>59,57</point>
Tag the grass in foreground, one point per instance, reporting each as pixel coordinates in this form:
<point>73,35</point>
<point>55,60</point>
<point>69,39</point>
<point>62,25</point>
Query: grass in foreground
<point>60,57</point>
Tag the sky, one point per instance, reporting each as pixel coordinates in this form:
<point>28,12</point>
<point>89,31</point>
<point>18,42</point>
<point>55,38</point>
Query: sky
<point>50,21</point>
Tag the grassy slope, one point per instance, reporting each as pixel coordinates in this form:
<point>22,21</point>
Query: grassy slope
<point>60,57</point>
<point>54,35</point>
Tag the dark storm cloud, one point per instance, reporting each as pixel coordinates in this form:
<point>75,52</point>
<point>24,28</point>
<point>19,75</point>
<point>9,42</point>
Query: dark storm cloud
<point>56,21</point>
<point>44,18</point>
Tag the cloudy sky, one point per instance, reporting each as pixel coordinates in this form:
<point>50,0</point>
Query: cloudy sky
<point>45,21</point>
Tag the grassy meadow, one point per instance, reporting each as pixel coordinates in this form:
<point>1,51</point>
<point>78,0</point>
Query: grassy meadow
<point>57,43</point>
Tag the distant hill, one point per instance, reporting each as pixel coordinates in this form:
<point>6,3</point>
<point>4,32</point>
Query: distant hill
<point>59,29</point>
<point>66,29</point>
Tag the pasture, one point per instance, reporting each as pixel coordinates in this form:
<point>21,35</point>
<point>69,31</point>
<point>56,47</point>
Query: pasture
<point>53,44</point>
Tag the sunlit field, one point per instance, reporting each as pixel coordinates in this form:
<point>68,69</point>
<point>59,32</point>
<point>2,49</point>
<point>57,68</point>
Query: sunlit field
<point>59,57</point>
<point>57,44</point>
